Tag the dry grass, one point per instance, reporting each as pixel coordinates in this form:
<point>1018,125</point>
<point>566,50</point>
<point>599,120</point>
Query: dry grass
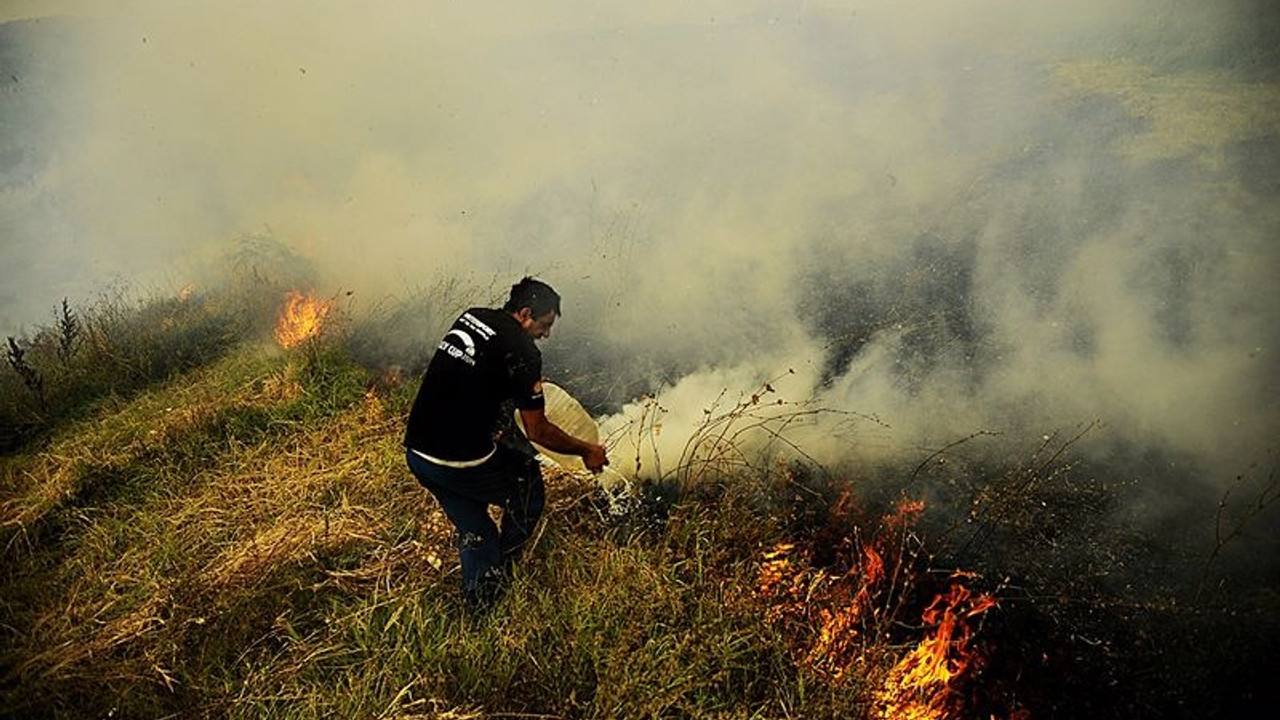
<point>256,548</point>
<point>245,541</point>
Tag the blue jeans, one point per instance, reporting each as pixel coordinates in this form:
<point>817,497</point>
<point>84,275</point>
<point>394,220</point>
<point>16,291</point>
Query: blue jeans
<point>508,479</point>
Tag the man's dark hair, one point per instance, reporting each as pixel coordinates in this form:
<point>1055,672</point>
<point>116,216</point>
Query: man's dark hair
<point>535,295</point>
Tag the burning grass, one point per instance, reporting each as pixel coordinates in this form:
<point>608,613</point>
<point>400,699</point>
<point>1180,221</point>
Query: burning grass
<point>256,549</point>
<point>120,344</point>
<point>850,599</point>
<point>303,318</point>
<point>244,541</point>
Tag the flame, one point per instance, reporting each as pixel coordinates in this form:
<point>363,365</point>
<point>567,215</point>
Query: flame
<point>302,318</point>
<point>872,566</point>
<point>843,620</point>
<point>922,685</point>
<point>908,512</point>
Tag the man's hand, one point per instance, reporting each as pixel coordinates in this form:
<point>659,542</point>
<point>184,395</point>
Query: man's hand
<point>542,431</point>
<point>595,458</point>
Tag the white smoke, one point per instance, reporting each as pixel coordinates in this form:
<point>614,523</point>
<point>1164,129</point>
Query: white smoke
<point>943,216</point>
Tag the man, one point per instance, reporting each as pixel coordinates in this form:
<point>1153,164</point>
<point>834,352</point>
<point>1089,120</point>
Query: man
<point>487,358</point>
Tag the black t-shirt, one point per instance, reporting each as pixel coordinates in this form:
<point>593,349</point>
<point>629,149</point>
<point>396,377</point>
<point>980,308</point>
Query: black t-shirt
<point>484,359</point>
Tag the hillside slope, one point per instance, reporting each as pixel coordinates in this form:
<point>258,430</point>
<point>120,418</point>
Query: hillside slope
<point>242,540</point>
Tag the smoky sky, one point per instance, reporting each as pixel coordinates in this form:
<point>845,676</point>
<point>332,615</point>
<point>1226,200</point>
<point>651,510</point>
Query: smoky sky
<point>946,215</point>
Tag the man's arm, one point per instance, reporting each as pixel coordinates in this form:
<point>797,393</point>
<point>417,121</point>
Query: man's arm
<point>539,429</point>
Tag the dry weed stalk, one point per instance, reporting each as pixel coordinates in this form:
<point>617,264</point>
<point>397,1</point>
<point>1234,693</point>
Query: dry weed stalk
<point>1227,529</point>
<point>993,504</point>
<point>737,439</point>
<point>68,333</point>
<point>32,379</point>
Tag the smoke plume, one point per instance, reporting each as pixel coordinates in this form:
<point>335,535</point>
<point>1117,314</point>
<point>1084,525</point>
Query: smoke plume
<point>942,216</point>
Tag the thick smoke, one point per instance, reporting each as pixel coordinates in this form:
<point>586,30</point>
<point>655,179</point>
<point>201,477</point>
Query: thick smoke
<point>943,216</point>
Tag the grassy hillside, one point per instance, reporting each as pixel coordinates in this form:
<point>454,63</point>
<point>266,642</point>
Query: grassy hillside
<point>236,536</point>
<point>244,541</point>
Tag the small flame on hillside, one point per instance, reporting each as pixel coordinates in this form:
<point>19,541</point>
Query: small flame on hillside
<point>302,318</point>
